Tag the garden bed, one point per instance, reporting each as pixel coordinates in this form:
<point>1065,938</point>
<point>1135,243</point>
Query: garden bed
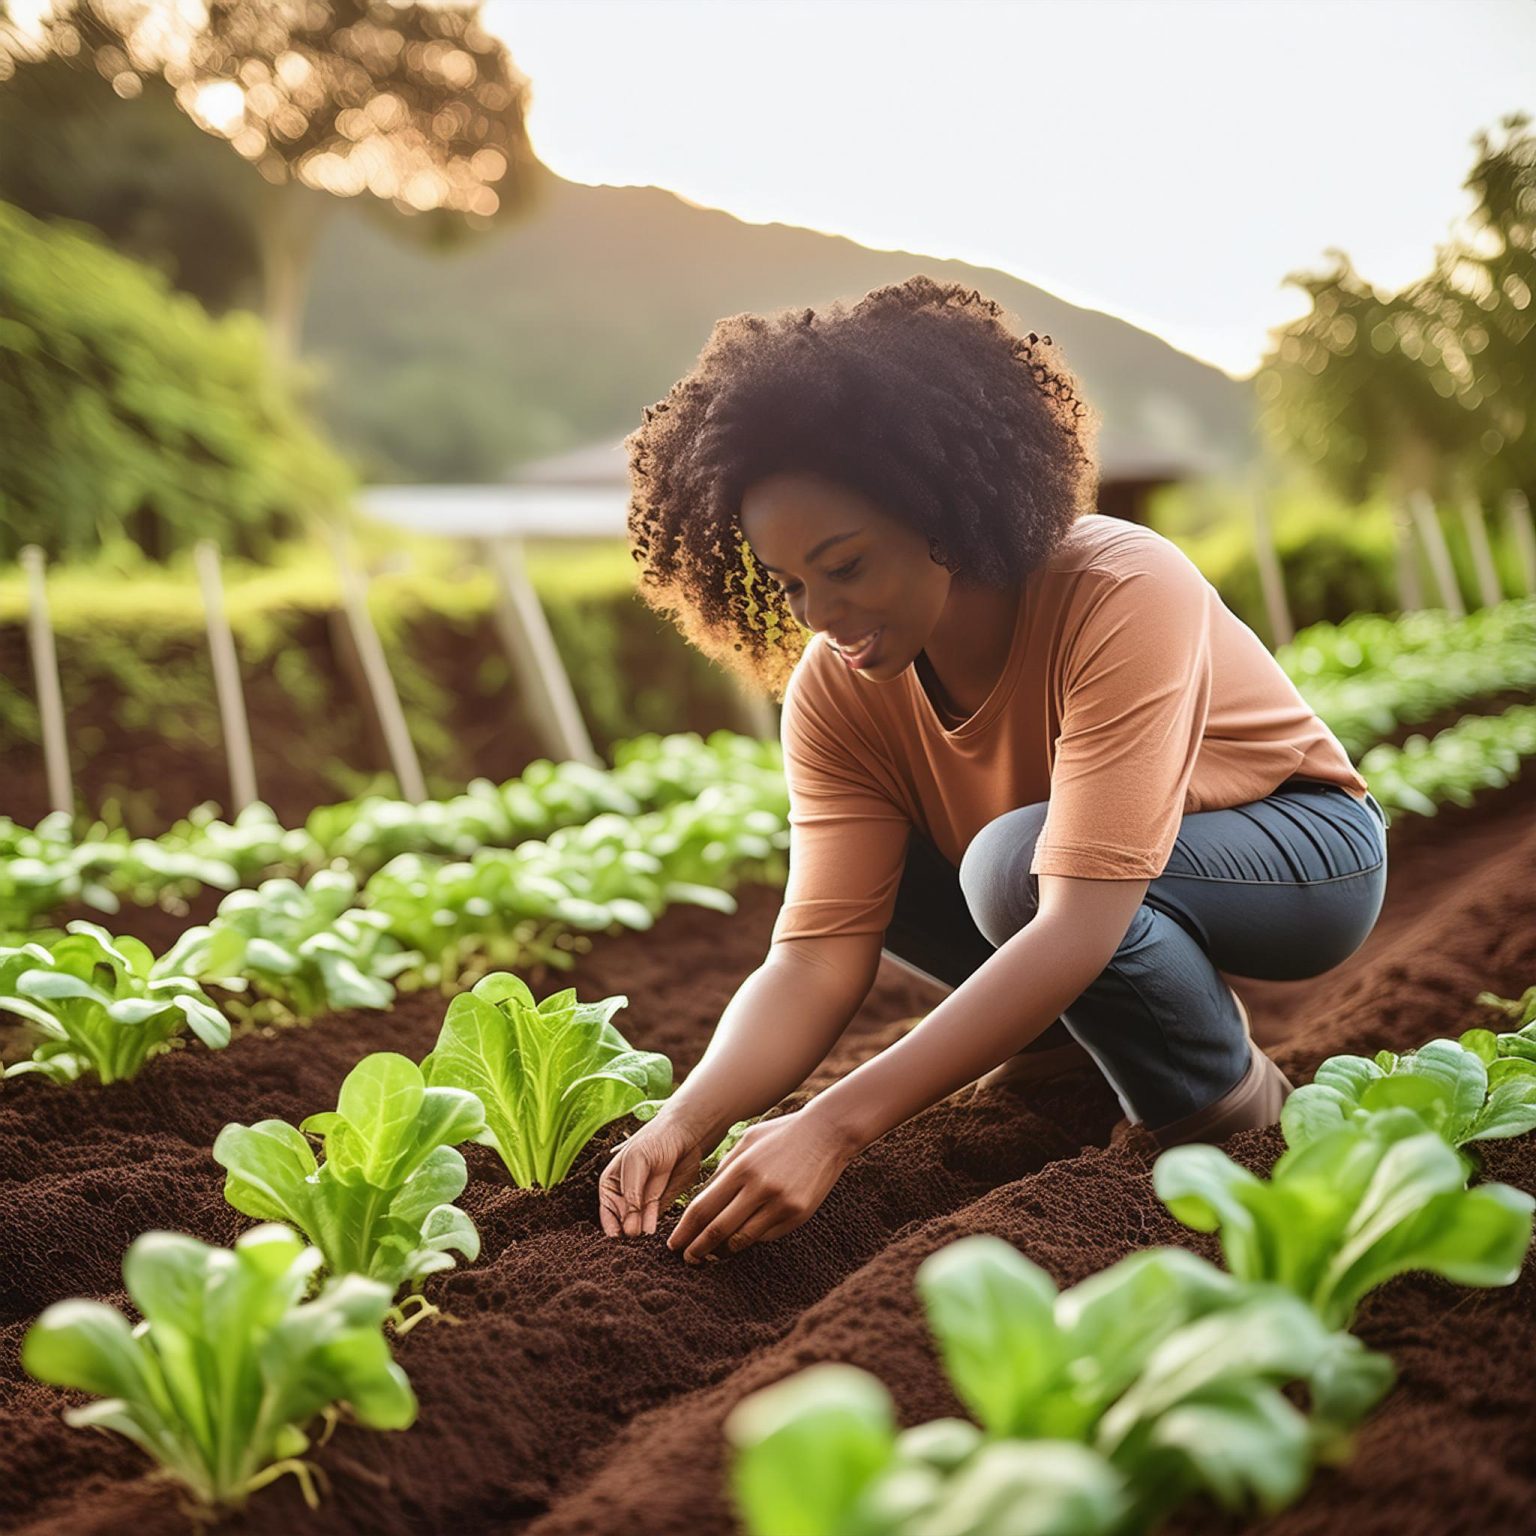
<point>581,1387</point>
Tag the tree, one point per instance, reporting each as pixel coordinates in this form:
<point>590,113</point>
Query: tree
<point>1429,388</point>
<point>416,105</point>
<point>126,412</point>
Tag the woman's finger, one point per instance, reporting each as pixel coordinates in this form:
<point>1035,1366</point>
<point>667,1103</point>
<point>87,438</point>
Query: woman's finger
<point>704,1207</point>
<point>719,1229</point>
<point>609,1200</point>
<point>651,1194</point>
<point>755,1230</point>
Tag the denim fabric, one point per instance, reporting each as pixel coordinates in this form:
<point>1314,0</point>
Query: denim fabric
<point>1282,888</point>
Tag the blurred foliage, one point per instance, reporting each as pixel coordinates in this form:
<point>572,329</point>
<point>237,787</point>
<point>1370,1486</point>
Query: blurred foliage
<point>127,413</point>
<point>1431,388</point>
<point>415,104</point>
<point>1337,558</point>
<point>136,168</point>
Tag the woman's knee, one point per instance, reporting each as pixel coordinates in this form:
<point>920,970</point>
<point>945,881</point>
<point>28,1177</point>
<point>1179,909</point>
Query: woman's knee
<point>994,872</point>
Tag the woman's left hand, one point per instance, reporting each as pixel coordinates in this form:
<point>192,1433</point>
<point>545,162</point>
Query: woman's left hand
<point>773,1179</point>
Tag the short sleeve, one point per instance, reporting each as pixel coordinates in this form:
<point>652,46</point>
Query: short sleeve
<point>1136,690</point>
<point>848,835</point>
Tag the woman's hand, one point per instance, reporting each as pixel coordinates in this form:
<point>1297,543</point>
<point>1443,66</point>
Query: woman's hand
<point>773,1179</point>
<point>649,1169</point>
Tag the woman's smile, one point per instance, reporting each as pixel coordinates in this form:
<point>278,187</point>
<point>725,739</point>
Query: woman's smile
<point>861,651</point>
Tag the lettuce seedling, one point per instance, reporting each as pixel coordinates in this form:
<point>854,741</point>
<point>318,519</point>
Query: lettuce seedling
<point>1132,1358</point>
<point>307,948</point>
<point>1346,1212</point>
<point>551,1074</point>
<point>818,1454</point>
<point>381,1203</point>
<point>229,1365</point>
<point>101,1005</point>
<point>1102,1407</point>
<point>1460,1089</point>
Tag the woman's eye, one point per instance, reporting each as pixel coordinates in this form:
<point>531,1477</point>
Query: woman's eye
<point>842,573</point>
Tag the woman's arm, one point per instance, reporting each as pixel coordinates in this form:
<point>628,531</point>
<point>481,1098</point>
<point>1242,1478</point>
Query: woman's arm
<point>776,1031</point>
<point>1009,999</point>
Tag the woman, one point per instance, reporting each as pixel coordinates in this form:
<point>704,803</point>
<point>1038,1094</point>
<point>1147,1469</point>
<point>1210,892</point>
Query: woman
<point>1029,752</point>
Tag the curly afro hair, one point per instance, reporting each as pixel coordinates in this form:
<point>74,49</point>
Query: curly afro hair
<point>918,396</point>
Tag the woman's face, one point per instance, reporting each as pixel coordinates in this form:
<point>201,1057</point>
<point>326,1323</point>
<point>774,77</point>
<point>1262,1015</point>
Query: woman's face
<point>847,568</point>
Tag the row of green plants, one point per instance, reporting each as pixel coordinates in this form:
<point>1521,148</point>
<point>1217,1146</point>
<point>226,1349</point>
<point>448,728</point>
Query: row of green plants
<point>1368,676</point>
<point>1454,766</point>
<point>1101,1409</point>
<point>1375,642</point>
<point>238,1350</point>
<point>1363,677</point>
<point>284,953</point>
<point>44,867</point>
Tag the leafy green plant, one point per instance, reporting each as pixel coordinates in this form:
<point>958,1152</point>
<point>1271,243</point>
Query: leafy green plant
<point>40,870</point>
<point>254,846</point>
<point>101,1005</point>
<point>1347,1211</point>
<point>1460,1089</point>
<point>1521,1009</point>
<point>1101,1407</point>
<point>1372,673</point>
<point>229,1365</point>
<point>307,949</point>
<point>550,1074</point>
<point>381,1202</point>
<point>1479,752</point>
<point>818,1454</point>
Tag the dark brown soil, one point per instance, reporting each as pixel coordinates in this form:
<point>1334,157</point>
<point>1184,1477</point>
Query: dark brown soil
<point>582,1390</point>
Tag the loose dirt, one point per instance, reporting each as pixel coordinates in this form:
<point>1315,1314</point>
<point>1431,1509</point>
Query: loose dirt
<point>580,1388</point>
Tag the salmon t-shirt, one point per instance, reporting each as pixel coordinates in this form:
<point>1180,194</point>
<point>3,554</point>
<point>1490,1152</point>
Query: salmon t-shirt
<point>1131,697</point>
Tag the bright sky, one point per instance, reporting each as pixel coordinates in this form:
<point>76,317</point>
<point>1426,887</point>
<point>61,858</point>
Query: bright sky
<point>1168,161</point>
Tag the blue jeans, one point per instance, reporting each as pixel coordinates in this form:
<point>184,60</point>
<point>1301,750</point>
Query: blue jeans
<point>1284,887</point>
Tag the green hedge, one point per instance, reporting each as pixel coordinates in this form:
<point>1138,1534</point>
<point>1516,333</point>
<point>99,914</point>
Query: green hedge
<point>127,413</point>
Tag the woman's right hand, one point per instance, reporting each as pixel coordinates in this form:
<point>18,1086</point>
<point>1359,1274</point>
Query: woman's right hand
<point>649,1171</point>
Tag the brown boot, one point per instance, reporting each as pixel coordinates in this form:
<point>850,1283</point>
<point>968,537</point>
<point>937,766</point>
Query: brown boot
<point>1252,1104</point>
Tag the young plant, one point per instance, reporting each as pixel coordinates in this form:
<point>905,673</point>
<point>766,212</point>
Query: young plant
<point>550,1074</point>
<point>307,949</point>
<point>818,1454</point>
<point>1521,1009</point>
<point>255,845</point>
<point>381,1203</point>
<point>229,1365</point>
<point>1101,1407</point>
<point>101,1005</point>
<point>1162,1363</point>
<point>1346,1212</point>
<point>1460,1089</point>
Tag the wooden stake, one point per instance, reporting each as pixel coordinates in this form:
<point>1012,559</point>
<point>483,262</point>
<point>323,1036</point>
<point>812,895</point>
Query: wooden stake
<point>1517,514</point>
<point>45,669</point>
<point>1410,591</point>
<point>226,678</point>
<point>1489,590</point>
<point>1427,522</point>
<point>381,686</point>
<point>535,660</point>
<point>760,713</point>
<point>1282,628</point>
